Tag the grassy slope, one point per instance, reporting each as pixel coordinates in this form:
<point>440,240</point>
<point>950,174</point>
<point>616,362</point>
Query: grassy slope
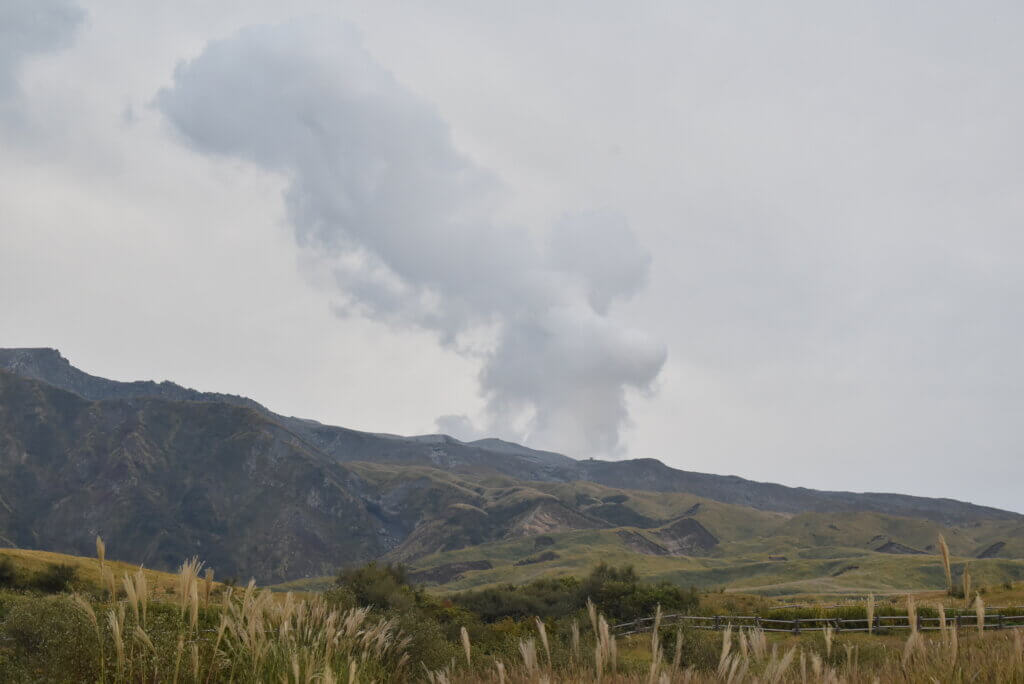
<point>27,562</point>
<point>826,553</point>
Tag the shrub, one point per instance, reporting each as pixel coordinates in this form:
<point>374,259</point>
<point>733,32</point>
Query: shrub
<point>7,578</point>
<point>53,638</point>
<point>55,578</point>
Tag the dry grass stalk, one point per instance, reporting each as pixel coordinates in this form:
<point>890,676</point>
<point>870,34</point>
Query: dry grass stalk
<point>944,550</point>
<point>724,659</point>
<point>528,650</point>
<point>574,630</point>
<point>466,647</point>
<point>656,655</point>
<point>967,585</point>
<point>116,621</point>
<point>177,657</point>
<point>979,612</point>
<point>943,627</point>
<point>101,552</point>
<point>911,614</point>
<point>829,634</point>
<point>207,585</point>
<point>871,613</point>
<point>677,657</point>
<point>543,632</point>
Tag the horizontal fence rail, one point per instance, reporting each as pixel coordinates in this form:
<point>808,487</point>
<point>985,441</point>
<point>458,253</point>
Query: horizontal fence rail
<point>880,623</point>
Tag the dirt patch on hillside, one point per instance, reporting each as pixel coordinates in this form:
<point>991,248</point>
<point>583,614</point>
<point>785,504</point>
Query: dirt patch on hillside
<point>686,537</point>
<point>449,572</point>
<point>641,544</point>
<point>539,558</point>
<point>899,549</point>
<point>993,550</point>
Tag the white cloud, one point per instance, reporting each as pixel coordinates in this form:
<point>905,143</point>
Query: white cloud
<point>413,232</point>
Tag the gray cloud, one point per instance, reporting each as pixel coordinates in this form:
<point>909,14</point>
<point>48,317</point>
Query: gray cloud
<point>413,233</point>
<point>31,27</point>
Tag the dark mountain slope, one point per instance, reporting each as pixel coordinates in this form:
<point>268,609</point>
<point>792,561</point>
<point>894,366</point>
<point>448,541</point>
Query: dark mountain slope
<point>165,480</point>
<point>441,451</point>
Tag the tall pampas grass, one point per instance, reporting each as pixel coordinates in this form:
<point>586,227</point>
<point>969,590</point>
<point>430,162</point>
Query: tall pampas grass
<point>944,550</point>
<point>466,646</point>
<point>871,613</point>
<point>979,612</point>
<point>543,633</point>
<point>911,614</point>
<point>101,552</point>
<point>967,585</point>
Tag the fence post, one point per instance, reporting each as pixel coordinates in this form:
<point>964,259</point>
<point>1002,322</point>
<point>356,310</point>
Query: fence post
<point>757,621</point>
<point>999,623</point>
<point>878,622</point>
<point>717,623</point>
<point>920,622</point>
<point>796,625</point>
<point>839,625</point>
<point>959,621</point>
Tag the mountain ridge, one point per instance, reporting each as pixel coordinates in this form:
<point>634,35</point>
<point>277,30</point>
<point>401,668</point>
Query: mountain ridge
<point>186,472</point>
<point>649,474</point>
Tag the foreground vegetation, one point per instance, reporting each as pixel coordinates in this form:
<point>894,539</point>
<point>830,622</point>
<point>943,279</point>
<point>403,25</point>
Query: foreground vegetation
<point>374,626</point>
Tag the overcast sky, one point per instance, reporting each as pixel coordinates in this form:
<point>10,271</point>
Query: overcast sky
<point>782,242</point>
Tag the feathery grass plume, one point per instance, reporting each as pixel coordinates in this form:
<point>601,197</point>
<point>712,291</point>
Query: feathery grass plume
<point>195,661</point>
<point>914,645</point>
<point>91,614</point>
<point>207,585</point>
<point>592,613</point>
<point>803,668</point>
<point>116,622</point>
<point>954,646</point>
<point>107,578</point>
<point>543,632</point>
<point>776,669</point>
<point>943,627</point>
<point>500,666</point>
<point>944,550</point>
<point>528,650</point>
<point>142,592</point>
<point>758,643</point>
<point>466,647</point>
<point>723,659</point>
<point>967,585</point>
<point>574,632</point>
<point>353,670</point>
<point>101,552</point>
<point>979,611</point>
<point>871,613</point>
<point>655,647</point>
<point>911,614</point>
<point>829,634</point>
<point>817,666</point>
<point>177,657</point>
<point>193,608</point>
<point>1018,647</point>
<point>133,599</point>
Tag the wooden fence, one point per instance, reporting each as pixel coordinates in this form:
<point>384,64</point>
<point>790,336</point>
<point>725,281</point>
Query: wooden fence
<point>882,623</point>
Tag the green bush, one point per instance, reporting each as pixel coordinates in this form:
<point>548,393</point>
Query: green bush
<point>7,576</point>
<point>52,638</point>
<point>55,578</point>
<point>618,593</point>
